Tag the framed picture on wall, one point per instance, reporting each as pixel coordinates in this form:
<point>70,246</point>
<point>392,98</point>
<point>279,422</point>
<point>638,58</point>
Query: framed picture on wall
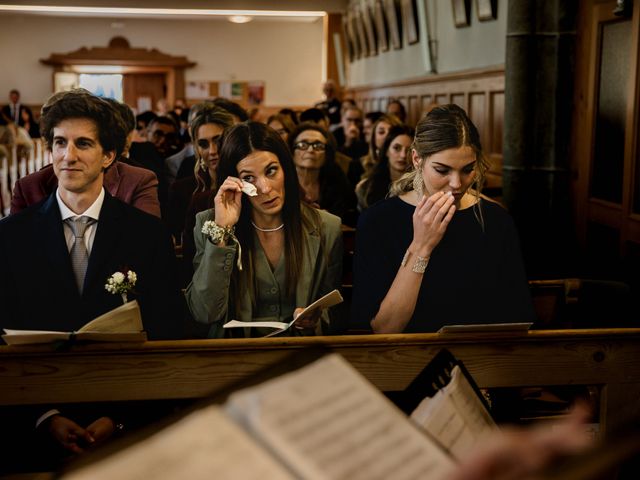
<point>362,34</point>
<point>410,21</point>
<point>370,29</point>
<point>347,39</point>
<point>353,35</point>
<point>461,12</point>
<point>487,9</point>
<point>381,26</point>
<point>393,22</point>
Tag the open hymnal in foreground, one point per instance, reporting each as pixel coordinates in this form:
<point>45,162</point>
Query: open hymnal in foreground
<point>122,324</point>
<point>329,300</point>
<point>322,421</point>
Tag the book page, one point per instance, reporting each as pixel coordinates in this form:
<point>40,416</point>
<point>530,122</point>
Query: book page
<point>326,421</point>
<point>122,324</point>
<point>522,327</point>
<point>203,445</point>
<point>329,300</point>
<point>455,416</point>
<point>27,337</point>
<point>125,318</point>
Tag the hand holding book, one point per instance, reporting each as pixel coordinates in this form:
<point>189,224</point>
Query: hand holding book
<point>304,316</point>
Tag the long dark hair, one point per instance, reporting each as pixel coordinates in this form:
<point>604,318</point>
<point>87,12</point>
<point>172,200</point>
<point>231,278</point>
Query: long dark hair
<point>376,185</point>
<point>237,143</point>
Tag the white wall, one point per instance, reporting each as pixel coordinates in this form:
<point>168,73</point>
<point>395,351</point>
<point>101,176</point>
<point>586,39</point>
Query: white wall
<point>287,56</point>
<point>482,44</point>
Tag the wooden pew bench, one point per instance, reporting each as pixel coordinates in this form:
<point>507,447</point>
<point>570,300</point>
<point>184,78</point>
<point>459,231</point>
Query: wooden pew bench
<point>192,369</point>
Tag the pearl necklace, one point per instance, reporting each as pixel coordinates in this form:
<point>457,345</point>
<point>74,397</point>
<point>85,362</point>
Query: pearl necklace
<point>267,229</point>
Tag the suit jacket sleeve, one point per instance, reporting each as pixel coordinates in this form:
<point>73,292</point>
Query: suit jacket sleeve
<point>18,202</point>
<point>332,274</point>
<point>208,293</point>
<point>163,310</point>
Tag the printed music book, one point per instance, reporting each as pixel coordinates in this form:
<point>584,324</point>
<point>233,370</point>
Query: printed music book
<point>323,420</point>
<point>329,300</point>
<point>122,324</point>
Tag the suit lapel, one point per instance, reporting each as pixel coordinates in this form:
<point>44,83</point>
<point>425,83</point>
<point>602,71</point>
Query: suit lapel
<point>308,272</point>
<point>105,242</point>
<point>55,245</point>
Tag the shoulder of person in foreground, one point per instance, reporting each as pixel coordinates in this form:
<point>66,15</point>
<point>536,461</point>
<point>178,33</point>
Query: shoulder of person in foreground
<point>321,220</point>
<point>33,188</point>
<point>134,185</point>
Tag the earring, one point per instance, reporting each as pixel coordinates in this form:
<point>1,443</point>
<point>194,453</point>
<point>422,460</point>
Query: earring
<point>418,184</point>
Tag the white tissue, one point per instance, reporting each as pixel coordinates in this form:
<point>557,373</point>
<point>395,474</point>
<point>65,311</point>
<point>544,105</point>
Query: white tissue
<point>249,189</point>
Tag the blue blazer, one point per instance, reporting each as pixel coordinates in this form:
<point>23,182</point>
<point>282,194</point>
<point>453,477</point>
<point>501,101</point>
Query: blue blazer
<point>37,287</point>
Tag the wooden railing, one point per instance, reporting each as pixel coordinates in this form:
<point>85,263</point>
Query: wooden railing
<point>607,359</point>
<point>16,163</point>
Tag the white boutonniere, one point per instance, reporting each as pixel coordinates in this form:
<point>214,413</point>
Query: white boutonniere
<point>121,282</point>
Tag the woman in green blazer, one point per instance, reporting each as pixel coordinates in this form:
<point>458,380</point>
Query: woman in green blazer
<point>262,257</point>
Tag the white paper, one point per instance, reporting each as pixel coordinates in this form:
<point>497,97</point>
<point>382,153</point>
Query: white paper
<point>201,446</point>
<point>326,421</point>
<point>329,300</point>
<point>455,416</point>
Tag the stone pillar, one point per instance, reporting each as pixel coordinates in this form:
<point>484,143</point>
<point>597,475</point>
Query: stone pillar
<point>539,73</point>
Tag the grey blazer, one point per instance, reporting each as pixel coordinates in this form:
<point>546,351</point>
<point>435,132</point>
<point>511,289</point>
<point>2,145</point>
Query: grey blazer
<point>208,293</point>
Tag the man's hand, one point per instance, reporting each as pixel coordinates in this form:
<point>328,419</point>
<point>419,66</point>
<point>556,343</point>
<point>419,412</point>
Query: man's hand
<point>69,434</point>
<point>101,429</point>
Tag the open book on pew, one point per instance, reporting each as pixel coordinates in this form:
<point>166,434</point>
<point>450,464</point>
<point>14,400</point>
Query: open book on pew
<point>329,300</point>
<point>122,324</point>
<point>321,421</point>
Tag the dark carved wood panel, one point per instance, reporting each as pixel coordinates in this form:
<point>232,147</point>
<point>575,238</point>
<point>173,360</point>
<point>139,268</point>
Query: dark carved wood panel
<point>479,92</point>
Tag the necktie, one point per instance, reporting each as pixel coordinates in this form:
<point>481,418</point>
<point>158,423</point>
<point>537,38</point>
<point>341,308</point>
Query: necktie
<point>78,253</point>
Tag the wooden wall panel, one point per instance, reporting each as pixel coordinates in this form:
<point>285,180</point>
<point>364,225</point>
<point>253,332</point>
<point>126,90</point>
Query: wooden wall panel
<point>480,92</point>
<point>458,99</point>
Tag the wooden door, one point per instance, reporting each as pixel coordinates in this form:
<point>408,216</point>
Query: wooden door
<point>144,85</point>
<point>605,150</point>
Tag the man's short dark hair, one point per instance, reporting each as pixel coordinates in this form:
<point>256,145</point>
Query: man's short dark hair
<point>313,115</point>
<point>14,90</point>
<point>80,103</point>
<point>145,117</point>
<point>232,107</point>
<point>125,113</point>
<point>164,120</point>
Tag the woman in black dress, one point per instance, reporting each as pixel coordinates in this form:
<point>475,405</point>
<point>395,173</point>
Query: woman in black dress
<point>437,252</point>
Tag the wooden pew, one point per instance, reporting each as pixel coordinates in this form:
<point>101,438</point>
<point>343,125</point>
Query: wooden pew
<point>193,368</point>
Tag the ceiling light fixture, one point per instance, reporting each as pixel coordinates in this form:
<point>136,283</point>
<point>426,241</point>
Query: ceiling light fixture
<point>240,19</point>
<point>117,11</point>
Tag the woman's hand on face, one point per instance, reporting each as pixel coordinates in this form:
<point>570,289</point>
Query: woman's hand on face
<point>228,202</point>
<point>430,220</point>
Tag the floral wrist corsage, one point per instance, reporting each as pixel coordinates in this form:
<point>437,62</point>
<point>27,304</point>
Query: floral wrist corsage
<point>218,234</point>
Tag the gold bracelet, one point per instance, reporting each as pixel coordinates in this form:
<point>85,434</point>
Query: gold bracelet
<point>421,264</point>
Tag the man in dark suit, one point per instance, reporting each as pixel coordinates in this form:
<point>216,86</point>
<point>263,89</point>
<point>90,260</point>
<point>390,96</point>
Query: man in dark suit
<point>132,184</point>
<point>56,256</point>
<point>13,111</point>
